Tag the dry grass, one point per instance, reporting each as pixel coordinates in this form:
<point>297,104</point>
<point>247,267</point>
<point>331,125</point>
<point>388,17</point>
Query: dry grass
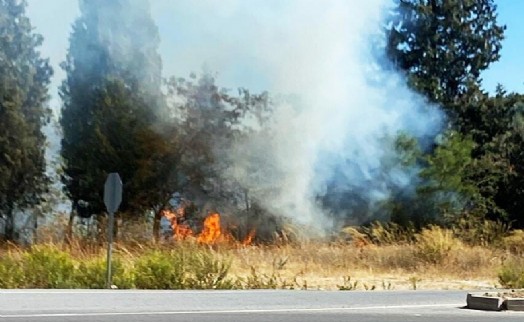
<point>326,266</point>
<point>431,259</point>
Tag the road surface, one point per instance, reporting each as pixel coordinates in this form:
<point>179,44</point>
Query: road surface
<point>246,306</point>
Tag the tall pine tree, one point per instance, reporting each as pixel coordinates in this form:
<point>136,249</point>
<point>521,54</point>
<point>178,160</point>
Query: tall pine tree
<point>112,104</point>
<point>24,80</point>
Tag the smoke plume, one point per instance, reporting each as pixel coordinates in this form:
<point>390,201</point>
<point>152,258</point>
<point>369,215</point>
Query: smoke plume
<point>328,152</point>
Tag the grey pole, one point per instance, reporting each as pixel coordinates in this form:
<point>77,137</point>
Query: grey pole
<point>112,200</point>
<point>109,249</point>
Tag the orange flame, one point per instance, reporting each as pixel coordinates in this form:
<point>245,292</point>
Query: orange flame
<point>180,231</point>
<point>249,238</point>
<point>212,232</point>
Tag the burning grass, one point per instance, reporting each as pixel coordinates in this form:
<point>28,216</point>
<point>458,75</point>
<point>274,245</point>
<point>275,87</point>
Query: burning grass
<point>212,231</point>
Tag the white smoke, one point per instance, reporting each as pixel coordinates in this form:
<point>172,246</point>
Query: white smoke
<point>345,102</point>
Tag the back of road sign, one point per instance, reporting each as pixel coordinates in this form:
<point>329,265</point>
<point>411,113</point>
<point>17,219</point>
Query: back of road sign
<point>113,192</point>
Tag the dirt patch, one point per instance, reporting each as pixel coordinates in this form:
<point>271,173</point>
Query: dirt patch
<point>511,294</point>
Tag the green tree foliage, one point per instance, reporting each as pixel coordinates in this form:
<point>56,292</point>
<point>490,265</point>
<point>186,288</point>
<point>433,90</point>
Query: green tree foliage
<point>24,80</point>
<point>443,190</point>
<point>498,171</point>
<point>446,190</point>
<point>208,121</point>
<point>444,45</point>
<point>113,108</point>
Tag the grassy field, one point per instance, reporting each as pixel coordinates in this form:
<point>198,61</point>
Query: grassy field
<point>431,259</point>
<point>341,266</point>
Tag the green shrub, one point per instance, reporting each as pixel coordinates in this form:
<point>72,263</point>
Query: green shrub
<point>11,273</point>
<point>161,270</point>
<point>511,274</point>
<point>434,243</point>
<point>208,272</point>
<point>92,274</point>
<point>47,267</point>
<point>182,269</point>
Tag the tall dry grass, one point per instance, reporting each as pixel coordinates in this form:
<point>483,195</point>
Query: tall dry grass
<point>381,257</point>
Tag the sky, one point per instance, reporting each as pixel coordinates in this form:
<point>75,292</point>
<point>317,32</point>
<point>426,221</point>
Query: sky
<point>509,70</point>
<point>190,32</point>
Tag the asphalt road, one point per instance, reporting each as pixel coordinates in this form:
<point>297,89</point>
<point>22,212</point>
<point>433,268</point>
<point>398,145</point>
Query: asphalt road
<point>246,306</point>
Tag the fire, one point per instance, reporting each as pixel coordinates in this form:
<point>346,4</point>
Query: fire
<point>249,238</point>
<point>180,230</point>
<point>212,231</point>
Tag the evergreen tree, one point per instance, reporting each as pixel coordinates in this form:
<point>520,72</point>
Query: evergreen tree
<point>444,45</point>
<point>24,80</point>
<point>497,125</point>
<point>113,108</point>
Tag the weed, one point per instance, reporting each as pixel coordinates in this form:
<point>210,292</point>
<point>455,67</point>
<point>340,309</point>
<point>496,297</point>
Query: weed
<point>280,262</point>
<point>413,280</point>
<point>347,284</point>
<point>158,270</point>
<point>11,273</point>
<point>511,274</point>
<point>387,286</point>
<point>208,272</point>
<point>260,281</point>
<point>514,242</point>
<point>355,235</point>
<point>304,284</point>
<point>92,274</point>
<point>434,244</point>
<point>485,233</point>
<point>45,266</point>
<point>389,233</point>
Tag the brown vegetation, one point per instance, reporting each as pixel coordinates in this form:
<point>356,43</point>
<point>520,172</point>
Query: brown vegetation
<point>379,258</point>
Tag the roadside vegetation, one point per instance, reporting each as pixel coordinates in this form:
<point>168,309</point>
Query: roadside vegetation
<point>380,257</point>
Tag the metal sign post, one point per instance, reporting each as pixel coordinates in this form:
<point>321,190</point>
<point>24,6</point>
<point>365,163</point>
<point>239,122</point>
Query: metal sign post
<point>112,200</point>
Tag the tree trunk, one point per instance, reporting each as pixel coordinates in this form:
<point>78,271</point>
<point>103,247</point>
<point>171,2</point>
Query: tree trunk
<point>10,227</point>
<point>246,226</point>
<point>35,228</point>
<point>69,230</point>
<point>156,225</point>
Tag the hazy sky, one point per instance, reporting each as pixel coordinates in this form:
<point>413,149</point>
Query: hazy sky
<point>192,34</point>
